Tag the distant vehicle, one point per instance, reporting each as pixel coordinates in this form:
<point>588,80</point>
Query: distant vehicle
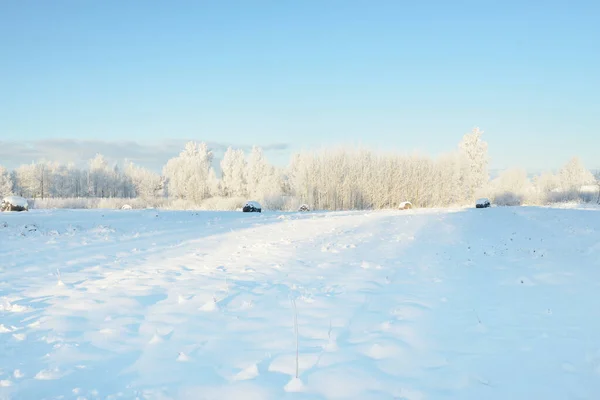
<point>126,207</point>
<point>405,205</point>
<point>482,203</point>
<point>14,203</point>
<point>252,206</point>
<point>304,208</point>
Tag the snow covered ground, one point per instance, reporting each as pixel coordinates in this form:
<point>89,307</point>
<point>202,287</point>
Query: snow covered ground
<point>499,303</point>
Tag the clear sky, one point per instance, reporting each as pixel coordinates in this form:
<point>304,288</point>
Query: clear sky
<point>399,75</point>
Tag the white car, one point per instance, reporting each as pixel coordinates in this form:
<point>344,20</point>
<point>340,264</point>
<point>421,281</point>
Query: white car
<point>14,203</point>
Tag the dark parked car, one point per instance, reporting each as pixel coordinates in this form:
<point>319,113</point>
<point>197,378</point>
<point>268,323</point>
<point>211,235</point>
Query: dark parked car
<point>304,208</point>
<point>252,206</point>
<point>482,203</point>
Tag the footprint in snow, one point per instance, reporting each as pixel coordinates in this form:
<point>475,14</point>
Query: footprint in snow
<point>210,305</point>
<point>49,374</point>
<point>294,386</point>
<point>19,336</point>
<point>156,339</point>
<point>250,372</point>
<point>379,352</point>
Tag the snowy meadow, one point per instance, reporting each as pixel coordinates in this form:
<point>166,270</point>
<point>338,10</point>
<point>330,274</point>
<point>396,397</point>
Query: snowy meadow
<point>175,297</point>
<point>465,303</point>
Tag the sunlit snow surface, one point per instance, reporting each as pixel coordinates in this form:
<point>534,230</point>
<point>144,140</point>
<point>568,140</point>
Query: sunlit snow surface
<point>499,303</point>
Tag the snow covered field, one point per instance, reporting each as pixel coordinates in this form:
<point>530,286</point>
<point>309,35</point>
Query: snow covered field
<point>500,303</point>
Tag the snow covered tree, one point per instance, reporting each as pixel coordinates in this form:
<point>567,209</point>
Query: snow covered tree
<point>214,184</point>
<point>256,172</point>
<point>475,153</point>
<point>33,180</point>
<point>99,177</point>
<point>61,183</point>
<point>511,187</point>
<point>574,175</point>
<point>146,184</point>
<point>233,167</point>
<point>6,183</point>
<point>187,174</point>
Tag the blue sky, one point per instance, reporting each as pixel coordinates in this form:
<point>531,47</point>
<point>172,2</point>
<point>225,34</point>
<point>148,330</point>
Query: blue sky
<point>393,75</point>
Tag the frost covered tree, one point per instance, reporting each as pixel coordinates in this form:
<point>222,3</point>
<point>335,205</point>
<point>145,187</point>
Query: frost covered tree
<point>25,184</point>
<point>214,184</point>
<point>6,183</point>
<point>78,181</point>
<point>100,175</point>
<point>475,153</point>
<point>33,180</point>
<point>262,179</point>
<point>511,187</point>
<point>574,175</point>
<point>61,185</point>
<point>187,174</point>
<point>256,172</point>
<point>146,184</point>
<point>233,179</point>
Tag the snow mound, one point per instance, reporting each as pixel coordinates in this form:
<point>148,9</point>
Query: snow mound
<point>15,201</point>
<point>405,205</point>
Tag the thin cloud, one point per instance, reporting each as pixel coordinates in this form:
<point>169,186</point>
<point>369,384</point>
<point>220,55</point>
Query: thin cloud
<point>152,155</point>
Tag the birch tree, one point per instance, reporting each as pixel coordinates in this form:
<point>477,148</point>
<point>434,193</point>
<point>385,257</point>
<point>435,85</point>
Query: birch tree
<point>146,184</point>
<point>6,183</point>
<point>574,175</point>
<point>233,178</point>
<point>187,174</point>
<point>475,153</point>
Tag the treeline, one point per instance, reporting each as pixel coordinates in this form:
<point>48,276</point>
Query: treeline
<point>40,180</point>
<point>328,179</point>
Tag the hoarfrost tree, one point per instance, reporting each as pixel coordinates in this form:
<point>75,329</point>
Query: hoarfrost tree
<point>187,174</point>
<point>33,180</point>
<point>475,153</point>
<point>574,175</point>
<point>146,184</point>
<point>233,167</point>
<point>214,184</point>
<point>257,170</point>
<point>6,183</point>
<point>25,183</point>
<point>61,183</point>
<point>298,178</point>
<point>99,176</point>
<point>511,187</point>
